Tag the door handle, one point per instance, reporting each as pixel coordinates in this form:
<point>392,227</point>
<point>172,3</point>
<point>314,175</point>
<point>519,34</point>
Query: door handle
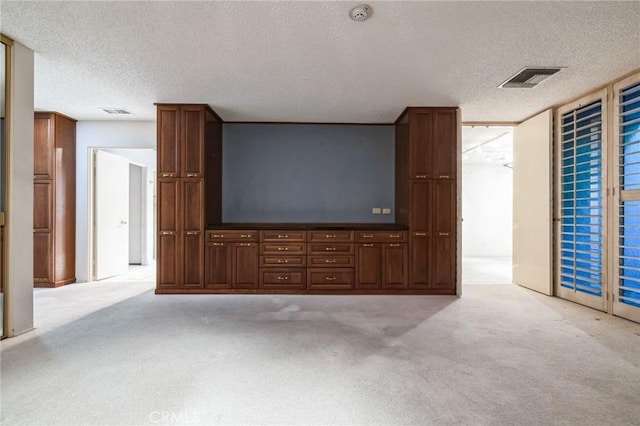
<point>123,222</point>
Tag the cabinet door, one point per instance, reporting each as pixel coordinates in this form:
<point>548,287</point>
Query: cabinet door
<point>168,141</point>
<point>394,266</point>
<point>43,146</point>
<point>42,205</point>
<point>368,270</point>
<point>420,206</point>
<point>445,142</point>
<point>444,227</point>
<point>420,261</point>
<point>192,141</point>
<point>219,258</point>
<point>245,265</point>
<point>420,130</point>
<point>42,258</point>
<point>169,258</point>
<point>193,204</point>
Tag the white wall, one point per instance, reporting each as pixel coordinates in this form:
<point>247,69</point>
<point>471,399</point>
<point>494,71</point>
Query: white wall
<point>101,134</point>
<point>135,213</point>
<point>487,205</point>
<point>19,228</point>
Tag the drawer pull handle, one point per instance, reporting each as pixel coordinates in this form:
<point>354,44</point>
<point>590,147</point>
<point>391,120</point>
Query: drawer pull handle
<point>218,244</point>
<point>421,176</point>
<point>283,248</point>
<point>444,176</point>
<point>245,244</point>
<point>282,261</point>
<point>367,236</point>
<point>218,236</point>
<point>329,261</point>
<point>283,236</point>
<point>166,174</point>
<point>166,232</point>
<point>394,236</point>
<point>192,175</point>
<point>444,234</point>
<point>193,232</point>
<point>245,235</point>
<point>283,278</point>
<point>330,278</point>
<point>394,245</point>
<point>367,245</point>
<point>330,249</point>
<point>421,234</point>
<point>330,236</point>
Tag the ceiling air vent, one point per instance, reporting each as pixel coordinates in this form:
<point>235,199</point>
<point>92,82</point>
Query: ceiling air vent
<point>115,111</point>
<point>529,77</point>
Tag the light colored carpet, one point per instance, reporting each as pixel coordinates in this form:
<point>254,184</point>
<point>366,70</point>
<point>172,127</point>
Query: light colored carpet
<point>486,270</point>
<point>114,353</point>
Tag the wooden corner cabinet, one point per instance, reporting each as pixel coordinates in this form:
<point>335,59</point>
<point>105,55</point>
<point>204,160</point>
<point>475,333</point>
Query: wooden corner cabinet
<point>54,200</point>
<point>197,253</point>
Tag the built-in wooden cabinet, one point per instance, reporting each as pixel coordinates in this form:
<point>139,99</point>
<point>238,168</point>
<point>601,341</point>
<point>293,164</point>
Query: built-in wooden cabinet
<point>199,254</point>
<point>54,200</point>
<point>186,134</point>
<point>427,140</point>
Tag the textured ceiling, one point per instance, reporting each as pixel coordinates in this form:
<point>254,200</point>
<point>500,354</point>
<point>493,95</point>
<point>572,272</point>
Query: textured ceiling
<point>307,61</point>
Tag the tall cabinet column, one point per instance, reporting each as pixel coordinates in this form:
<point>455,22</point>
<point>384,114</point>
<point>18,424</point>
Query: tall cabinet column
<point>187,135</point>
<point>426,194</point>
<point>54,191</point>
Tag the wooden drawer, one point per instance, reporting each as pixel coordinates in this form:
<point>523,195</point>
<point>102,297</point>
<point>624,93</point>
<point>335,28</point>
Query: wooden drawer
<point>283,236</point>
<point>283,279</point>
<point>282,248</point>
<point>322,261</point>
<point>283,261</point>
<point>232,235</point>
<point>326,248</point>
<point>330,278</point>
<point>330,236</point>
<point>381,236</point>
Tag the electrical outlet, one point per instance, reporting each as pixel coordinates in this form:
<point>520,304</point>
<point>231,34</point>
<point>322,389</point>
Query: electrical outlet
<point>376,210</point>
<point>386,211</point>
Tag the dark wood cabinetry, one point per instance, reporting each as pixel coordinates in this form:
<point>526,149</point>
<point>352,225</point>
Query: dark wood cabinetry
<point>186,134</point>
<point>197,253</point>
<point>427,140</point>
<point>54,192</point>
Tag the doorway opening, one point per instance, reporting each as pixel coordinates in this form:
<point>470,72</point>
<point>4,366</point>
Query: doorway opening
<point>487,204</point>
<point>122,210</point>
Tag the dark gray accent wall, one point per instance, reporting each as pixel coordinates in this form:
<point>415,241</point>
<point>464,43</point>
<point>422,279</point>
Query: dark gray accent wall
<point>307,172</point>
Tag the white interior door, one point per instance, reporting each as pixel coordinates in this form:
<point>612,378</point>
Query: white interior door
<point>532,204</point>
<point>111,215</point>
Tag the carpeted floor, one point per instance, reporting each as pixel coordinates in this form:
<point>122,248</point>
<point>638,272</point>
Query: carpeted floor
<point>114,353</point>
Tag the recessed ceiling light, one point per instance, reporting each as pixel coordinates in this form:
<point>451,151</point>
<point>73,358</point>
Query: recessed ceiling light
<point>115,111</point>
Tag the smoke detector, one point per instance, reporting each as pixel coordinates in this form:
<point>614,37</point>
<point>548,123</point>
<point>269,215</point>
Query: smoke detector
<point>361,12</point>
